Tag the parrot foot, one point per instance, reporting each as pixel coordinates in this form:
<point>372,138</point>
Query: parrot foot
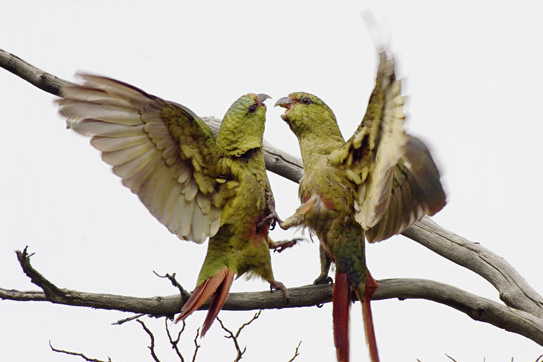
<point>272,218</point>
<point>280,246</point>
<point>299,216</point>
<point>280,286</point>
<point>323,279</point>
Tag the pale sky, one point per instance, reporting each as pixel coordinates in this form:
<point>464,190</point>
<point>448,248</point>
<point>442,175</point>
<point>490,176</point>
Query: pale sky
<point>473,82</point>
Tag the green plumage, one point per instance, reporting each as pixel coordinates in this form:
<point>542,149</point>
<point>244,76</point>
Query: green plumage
<point>240,244</point>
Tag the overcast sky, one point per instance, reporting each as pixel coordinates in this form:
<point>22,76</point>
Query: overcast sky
<point>473,81</point>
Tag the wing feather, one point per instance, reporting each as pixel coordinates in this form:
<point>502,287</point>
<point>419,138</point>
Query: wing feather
<point>398,182</point>
<point>376,146</point>
<point>416,192</point>
<point>388,139</point>
<point>162,151</point>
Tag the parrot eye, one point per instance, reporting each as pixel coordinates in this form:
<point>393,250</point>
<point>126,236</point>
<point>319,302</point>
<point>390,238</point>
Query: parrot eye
<point>252,108</point>
<point>306,100</point>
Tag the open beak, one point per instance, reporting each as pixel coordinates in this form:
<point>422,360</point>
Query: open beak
<point>284,102</point>
<point>262,97</point>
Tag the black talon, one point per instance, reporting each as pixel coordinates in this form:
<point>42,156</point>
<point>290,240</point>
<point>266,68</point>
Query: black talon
<point>323,279</point>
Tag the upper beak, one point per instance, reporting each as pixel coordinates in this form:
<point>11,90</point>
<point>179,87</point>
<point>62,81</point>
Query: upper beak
<point>262,97</point>
<point>284,102</point>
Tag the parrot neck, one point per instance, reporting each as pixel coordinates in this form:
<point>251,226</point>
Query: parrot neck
<point>235,144</point>
<point>238,136</point>
<point>312,145</point>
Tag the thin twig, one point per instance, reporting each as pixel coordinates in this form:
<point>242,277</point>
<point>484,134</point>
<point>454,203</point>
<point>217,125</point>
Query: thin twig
<point>174,342</point>
<point>129,319</point>
<point>184,294</point>
<point>152,337</point>
<point>76,354</point>
<point>235,337</point>
<point>197,346</point>
<point>296,352</point>
<point>452,359</point>
<point>257,314</point>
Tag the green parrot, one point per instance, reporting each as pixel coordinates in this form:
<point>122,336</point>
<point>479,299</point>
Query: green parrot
<point>375,185</point>
<point>195,183</point>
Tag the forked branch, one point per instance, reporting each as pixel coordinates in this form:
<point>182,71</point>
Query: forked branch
<point>522,312</point>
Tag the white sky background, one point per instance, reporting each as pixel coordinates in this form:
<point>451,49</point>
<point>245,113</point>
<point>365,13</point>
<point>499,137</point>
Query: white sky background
<point>474,86</point>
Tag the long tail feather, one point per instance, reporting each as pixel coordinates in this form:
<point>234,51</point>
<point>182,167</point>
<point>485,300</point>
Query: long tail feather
<point>202,293</point>
<point>370,286</point>
<point>217,301</point>
<point>341,303</point>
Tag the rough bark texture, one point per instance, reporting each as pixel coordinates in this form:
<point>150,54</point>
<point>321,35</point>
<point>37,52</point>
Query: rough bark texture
<point>522,311</point>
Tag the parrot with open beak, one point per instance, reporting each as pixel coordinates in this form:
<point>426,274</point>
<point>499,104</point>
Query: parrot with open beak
<point>373,186</point>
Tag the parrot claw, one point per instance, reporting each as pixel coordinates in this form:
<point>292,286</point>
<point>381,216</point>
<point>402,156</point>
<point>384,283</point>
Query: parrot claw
<point>280,286</point>
<point>280,246</point>
<point>323,279</point>
<point>272,219</point>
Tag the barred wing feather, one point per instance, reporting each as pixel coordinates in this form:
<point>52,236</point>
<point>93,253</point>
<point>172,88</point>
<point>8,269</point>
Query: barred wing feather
<point>162,151</point>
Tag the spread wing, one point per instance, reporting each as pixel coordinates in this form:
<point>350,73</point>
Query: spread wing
<point>416,191</point>
<point>162,151</point>
<point>370,155</point>
<point>398,182</point>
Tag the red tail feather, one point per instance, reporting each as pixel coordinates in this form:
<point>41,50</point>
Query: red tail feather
<point>216,286</point>
<point>371,286</point>
<point>341,302</point>
<point>217,301</point>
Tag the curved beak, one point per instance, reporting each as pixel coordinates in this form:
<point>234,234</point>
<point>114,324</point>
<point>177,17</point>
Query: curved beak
<point>284,102</point>
<point>262,97</point>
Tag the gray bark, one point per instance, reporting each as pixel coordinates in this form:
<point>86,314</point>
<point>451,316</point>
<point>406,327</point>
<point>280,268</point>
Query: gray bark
<point>522,311</point>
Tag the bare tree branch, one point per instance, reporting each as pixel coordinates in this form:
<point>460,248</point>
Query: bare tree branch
<point>478,308</point>
<point>30,73</point>
<point>277,161</point>
<point>522,314</point>
<point>514,290</point>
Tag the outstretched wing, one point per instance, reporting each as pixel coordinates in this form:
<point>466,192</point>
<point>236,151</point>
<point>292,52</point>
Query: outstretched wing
<point>369,157</point>
<point>162,151</point>
<point>416,191</point>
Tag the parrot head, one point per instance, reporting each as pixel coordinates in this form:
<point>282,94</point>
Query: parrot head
<point>242,128</point>
<point>305,113</point>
